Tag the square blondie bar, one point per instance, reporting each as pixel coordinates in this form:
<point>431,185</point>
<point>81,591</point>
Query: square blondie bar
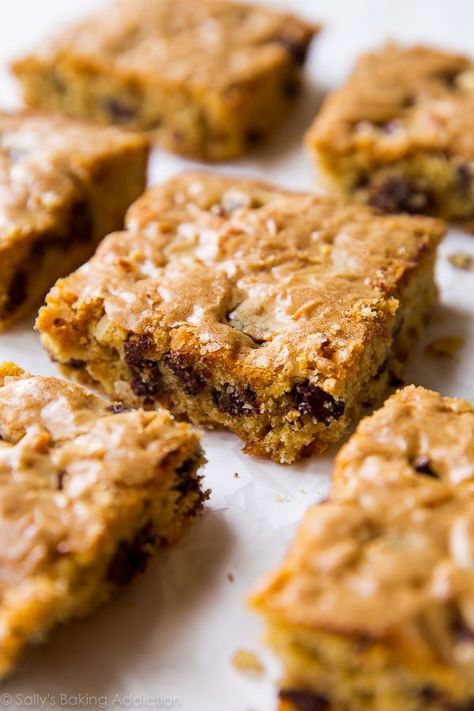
<point>208,78</point>
<point>373,608</point>
<point>400,133</point>
<point>88,491</point>
<point>273,313</point>
<point>64,186</point>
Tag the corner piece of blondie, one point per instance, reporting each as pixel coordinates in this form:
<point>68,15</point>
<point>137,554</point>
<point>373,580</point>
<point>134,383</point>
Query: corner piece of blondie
<point>273,313</point>
<point>64,186</point>
<point>88,491</point>
<point>373,608</point>
<point>208,78</point>
<point>400,133</point>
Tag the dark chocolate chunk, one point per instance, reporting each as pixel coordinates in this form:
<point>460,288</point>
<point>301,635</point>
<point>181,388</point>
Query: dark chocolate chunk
<point>117,407</point>
<point>382,367</point>
<point>305,700</point>
<point>118,110</point>
<point>430,695</point>
<point>131,557</point>
<point>296,48</point>
<point>254,136</point>
<point>314,401</point>
<point>191,379</point>
<point>60,480</point>
<point>235,400</point>
<point>75,363</point>
<point>291,87</point>
<point>17,292</point>
<point>80,227</point>
<point>145,373</point>
<point>188,481</point>
<point>422,466</point>
<point>400,195</point>
<point>465,178</point>
<point>447,76</point>
<point>460,631</point>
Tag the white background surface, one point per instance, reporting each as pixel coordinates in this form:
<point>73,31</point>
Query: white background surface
<point>173,633</point>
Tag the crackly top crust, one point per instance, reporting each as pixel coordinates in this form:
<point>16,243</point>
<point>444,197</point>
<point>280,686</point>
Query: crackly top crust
<point>71,469</point>
<point>392,563</point>
<point>44,162</point>
<point>276,284</point>
<point>418,437</point>
<point>400,100</point>
<point>203,43</point>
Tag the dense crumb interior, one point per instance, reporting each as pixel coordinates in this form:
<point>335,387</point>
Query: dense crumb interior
<point>213,95</point>
<point>277,315</point>
<point>85,515</point>
<point>65,186</point>
<point>398,134</point>
<point>285,426</point>
<point>425,183</point>
<point>371,610</point>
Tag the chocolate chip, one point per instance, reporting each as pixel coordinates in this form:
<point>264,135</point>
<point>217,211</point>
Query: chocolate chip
<point>408,101</point>
<point>131,557</point>
<point>465,178</point>
<point>291,87</point>
<point>191,380</point>
<point>235,400</point>
<point>430,695</point>
<point>17,292</point>
<point>118,110</point>
<point>460,631</point>
<point>296,48</point>
<point>80,227</point>
<point>75,363</point>
<point>399,195</point>
<point>314,401</point>
<point>382,367</point>
<point>145,374</point>
<point>60,480</point>
<point>118,407</point>
<point>188,482</point>
<point>395,381</point>
<point>422,466</point>
<point>305,700</point>
<point>254,136</point>
<point>447,76</point>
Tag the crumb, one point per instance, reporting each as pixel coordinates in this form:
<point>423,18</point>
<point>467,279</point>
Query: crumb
<point>445,347</point>
<point>461,260</point>
<point>236,475</point>
<point>247,661</point>
<point>230,577</point>
<point>281,499</point>
<point>303,491</point>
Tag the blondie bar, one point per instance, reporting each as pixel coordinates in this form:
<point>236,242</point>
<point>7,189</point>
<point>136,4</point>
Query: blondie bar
<point>88,491</point>
<point>275,314</point>
<point>373,608</point>
<point>209,78</point>
<point>400,133</point>
<point>64,186</point>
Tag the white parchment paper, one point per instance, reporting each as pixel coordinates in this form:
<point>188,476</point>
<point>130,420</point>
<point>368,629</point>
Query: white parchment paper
<point>168,640</point>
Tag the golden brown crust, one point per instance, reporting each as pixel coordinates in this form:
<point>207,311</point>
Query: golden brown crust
<point>400,132</point>
<point>208,61</point>
<point>416,438</point>
<point>382,572</point>
<point>237,284</point>
<point>63,185</point>
<point>81,483</point>
<point>430,92</point>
